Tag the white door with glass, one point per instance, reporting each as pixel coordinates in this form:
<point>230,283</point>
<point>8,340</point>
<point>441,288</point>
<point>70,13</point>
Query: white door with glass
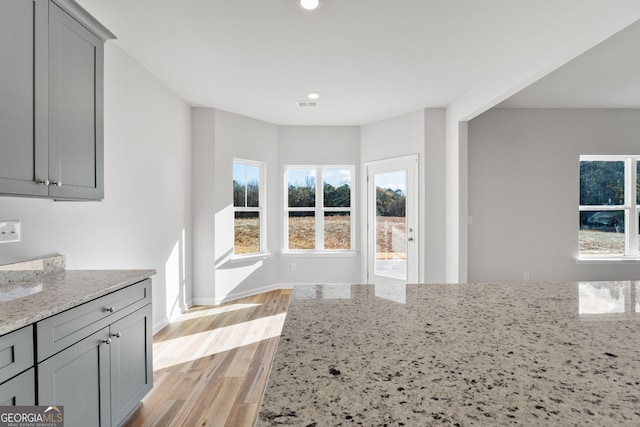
<point>392,215</point>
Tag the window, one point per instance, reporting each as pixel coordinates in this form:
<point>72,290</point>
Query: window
<point>319,218</point>
<point>248,207</point>
<point>609,206</point>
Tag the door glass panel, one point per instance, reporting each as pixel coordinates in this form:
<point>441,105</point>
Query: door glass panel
<point>391,225</point>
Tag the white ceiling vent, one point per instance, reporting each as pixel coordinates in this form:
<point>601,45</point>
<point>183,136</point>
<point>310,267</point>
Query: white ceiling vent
<point>308,104</point>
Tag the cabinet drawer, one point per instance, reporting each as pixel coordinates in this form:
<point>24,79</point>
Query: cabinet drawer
<point>20,390</point>
<point>63,330</point>
<point>16,352</point>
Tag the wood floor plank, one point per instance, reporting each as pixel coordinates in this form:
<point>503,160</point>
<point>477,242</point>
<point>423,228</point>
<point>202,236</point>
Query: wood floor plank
<point>211,365</point>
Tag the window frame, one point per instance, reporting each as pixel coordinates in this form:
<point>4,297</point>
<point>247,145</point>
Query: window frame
<point>631,208</point>
<point>319,210</point>
<point>261,208</point>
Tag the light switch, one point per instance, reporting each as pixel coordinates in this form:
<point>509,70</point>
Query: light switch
<point>9,231</point>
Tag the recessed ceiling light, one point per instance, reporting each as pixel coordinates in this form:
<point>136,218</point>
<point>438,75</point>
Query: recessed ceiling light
<point>313,95</point>
<point>309,4</point>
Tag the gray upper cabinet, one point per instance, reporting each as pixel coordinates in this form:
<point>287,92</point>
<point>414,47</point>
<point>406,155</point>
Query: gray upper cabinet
<point>23,97</point>
<point>51,100</point>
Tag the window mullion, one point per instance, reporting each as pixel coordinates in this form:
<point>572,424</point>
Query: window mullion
<point>246,185</point>
<point>319,210</point>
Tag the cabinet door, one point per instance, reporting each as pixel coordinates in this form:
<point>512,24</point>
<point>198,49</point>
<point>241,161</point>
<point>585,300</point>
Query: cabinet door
<point>131,362</point>
<point>19,391</point>
<point>76,158</point>
<point>78,378</point>
<point>23,105</point>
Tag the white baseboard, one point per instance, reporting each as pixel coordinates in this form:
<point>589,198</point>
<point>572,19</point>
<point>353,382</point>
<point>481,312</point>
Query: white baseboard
<point>158,326</point>
<point>204,301</point>
<point>250,292</point>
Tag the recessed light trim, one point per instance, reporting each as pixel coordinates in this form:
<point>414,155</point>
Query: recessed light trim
<point>309,4</point>
<point>313,95</point>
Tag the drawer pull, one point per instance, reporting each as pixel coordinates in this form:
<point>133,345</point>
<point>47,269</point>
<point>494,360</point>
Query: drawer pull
<point>107,341</point>
<point>117,335</point>
<point>110,309</point>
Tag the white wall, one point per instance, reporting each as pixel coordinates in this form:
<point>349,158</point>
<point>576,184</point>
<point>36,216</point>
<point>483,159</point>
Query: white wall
<point>524,194</point>
<point>218,138</point>
<point>144,220</point>
<point>423,133</point>
<point>435,190</point>
<point>245,138</point>
<point>203,211</point>
<point>314,145</point>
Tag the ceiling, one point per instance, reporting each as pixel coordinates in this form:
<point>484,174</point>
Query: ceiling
<point>606,76</point>
<point>368,59</point>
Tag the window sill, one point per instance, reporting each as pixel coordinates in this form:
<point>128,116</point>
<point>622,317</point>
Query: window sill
<point>248,258</point>
<point>320,254</point>
<point>608,260</point>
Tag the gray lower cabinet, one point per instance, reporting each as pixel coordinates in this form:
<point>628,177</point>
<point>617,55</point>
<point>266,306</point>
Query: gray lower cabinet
<point>131,367</point>
<point>96,359</point>
<point>51,100</point>
<point>78,379</point>
<point>20,390</point>
<point>17,380</point>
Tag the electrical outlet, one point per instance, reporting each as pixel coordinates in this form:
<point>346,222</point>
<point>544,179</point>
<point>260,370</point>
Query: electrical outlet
<point>527,276</point>
<point>293,267</point>
<point>9,231</point>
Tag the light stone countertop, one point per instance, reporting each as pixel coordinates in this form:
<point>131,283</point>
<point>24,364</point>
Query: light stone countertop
<point>36,294</point>
<point>534,354</point>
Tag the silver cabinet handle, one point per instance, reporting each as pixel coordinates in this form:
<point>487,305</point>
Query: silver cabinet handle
<point>117,335</point>
<point>107,341</point>
<point>57,183</point>
<point>110,309</point>
<point>45,182</point>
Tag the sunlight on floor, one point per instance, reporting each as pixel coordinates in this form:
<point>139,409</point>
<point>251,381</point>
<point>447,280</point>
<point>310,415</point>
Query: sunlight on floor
<point>202,344</point>
<point>197,312</point>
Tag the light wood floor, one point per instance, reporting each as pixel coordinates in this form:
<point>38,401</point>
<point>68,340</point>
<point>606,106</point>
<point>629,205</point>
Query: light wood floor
<point>211,366</point>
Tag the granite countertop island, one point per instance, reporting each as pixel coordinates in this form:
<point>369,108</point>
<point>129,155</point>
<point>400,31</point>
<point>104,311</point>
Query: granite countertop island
<point>33,290</point>
<point>532,354</point>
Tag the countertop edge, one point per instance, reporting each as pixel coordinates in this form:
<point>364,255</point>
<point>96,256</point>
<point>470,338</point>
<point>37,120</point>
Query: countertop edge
<point>66,284</point>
